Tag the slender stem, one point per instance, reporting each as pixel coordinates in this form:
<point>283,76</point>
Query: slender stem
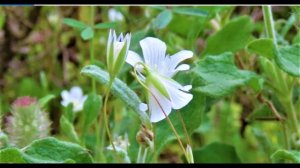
<point>268,17</point>
<point>92,55</point>
<point>138,159</point>
<point>106,118</point>
<point>184,127</point>
<point>145,155</point>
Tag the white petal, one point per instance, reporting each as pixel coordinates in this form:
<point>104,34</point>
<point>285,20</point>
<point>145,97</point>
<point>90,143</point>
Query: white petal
<point>143,107</point>
<point>76,93</point>
<point>133,58</point>
<point>187,87</point>
<point>179,57</point>
<point>65,95</point>
<point>65,102</point>
<point>183,67</point>
<point>157,102</point>
<point>154,51</point>
<point>178,97</point>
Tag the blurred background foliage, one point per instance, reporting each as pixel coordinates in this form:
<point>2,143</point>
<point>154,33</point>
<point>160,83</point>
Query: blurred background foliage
<point>39,55</point>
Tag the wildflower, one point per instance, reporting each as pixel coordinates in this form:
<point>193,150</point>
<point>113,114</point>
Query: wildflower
<point>156,71</point>
<point>117,49</point>
<point>114,15</point>
<point>75,97</point>
<point>28,122</point>
<point>121,145</point>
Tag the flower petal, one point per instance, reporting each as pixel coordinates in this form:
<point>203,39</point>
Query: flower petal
<point>157,102</point>
<point>76,93</point>
<point>65,95</point>
<point>154,51</point>
<point>178,97</point>
<point>179,57</point>
<point>133,58</point>
<point>143,107</point>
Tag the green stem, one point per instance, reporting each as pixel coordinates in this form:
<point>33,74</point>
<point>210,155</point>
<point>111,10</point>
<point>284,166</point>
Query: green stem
<point>268,18</point>
<point>92,55</point>
<point>184,127</point>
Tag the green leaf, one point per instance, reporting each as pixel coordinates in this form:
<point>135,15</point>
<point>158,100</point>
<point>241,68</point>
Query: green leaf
<point>285,155</point>
<point>222,77</point>
<point>51,150</point>
<point>190,11</point>
<point>262,47</point>
<point>119,89</point>
<point>91,109</point>
<point>216,153</point>
<point>11,155</point>
<point>163,19</point>
<point>44,100</point>
<point>69,113</point>
<point>288,59</point>
<point>74,23</point>
<point>232,37</point>
<point>68,129</point>
<point>192,117</point>
<point>87,33</point>
<point>105,25</point>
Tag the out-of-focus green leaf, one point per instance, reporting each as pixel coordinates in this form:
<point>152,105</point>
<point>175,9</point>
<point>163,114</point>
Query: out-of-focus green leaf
<point>51,150</point>
<point>282,155</point>
<point>222,77</point>
<point>288,59</point>
<point>91,109</point>
<point>190,11</point>
<point>232,37</point>
<point>11,155</point>
<point>163,19</point>
<point>105,25</point>
<point>262,47</point>
<point>119,89</point>
<point>75,23</point>
<point>68,129</point>
<point>44,100</point>
<point>87,33</point>
<point>216,153</point>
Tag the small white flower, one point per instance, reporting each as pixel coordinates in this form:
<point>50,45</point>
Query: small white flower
<point>159,68</point>
<point>75,97</point>
<point>117,49</point>
<point>114,15</point>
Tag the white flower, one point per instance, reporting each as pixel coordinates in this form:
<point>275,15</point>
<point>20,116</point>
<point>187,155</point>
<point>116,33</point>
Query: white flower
<point>114,15</point>
<point>117,49</point>
<point>159,68</point>
<point>75,97</point>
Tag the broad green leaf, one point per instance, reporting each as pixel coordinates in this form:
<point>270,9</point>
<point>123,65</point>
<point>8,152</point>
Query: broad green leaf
<point>91,109</point>
<point>69,113</point>
<point>105,25</point>
<point>262,47</point>
<point>44,100</point>
<point>119,89</point>
<point>87,33</point>
<point>68,129</point>
<point>288,59</point>
<point>11,155</point>
<point>297,38</point>
<point>51,150</point>
<point>222,77</point>
<point>163,19</point>
<point>232,37</point>
<point>216,153</point>
<point>75,23</point>
<point>190,11</point>
<point>282,155</point>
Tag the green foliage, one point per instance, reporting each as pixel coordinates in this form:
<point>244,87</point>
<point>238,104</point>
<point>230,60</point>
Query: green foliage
<point>105,25</point>
<point>87,33</point>
<point>163,19</point>
<point>119,89</point>
<point>67,128</point>
<point>75,23</point>
<point>232,37</point>
<point>11,155</point>
<point>216,153</point>
<point>262,47</point>
<point>285,155</point>
<point>288,59</point>
<point>222,77</point>
<point>44,100</point>
<point>91,110</point>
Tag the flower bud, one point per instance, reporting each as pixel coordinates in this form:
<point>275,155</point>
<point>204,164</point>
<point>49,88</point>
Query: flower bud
<point>117,49</point>
<point>189,153</point>
<point>145,137</point>
<point>27,122</point>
